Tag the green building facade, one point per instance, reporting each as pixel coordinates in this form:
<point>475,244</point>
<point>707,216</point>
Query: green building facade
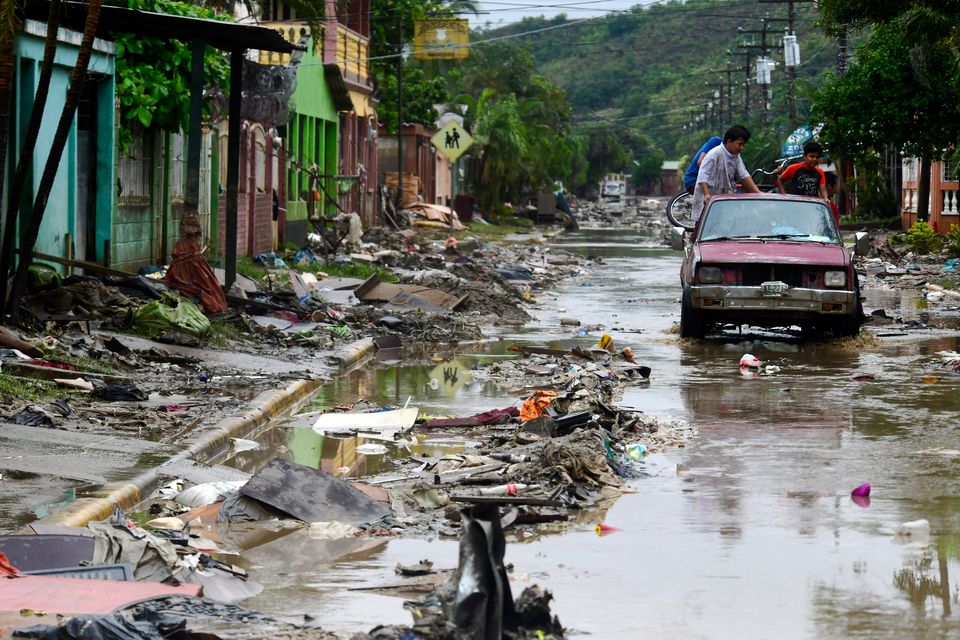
<point>78,218</point>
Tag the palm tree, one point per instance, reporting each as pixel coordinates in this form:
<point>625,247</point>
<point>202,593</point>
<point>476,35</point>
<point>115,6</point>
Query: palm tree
<point>29,144</point>
<point>9,24</point>
<point>77,77</point>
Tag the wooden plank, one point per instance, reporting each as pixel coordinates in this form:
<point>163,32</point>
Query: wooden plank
<point>509,500</point>
<point>398,420</point>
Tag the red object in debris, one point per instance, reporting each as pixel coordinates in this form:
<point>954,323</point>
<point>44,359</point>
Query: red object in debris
<point>174,408</point>
<point>7,570</point>
<point>604,529</point>
<point>862,491</point>
<point>52,365</point>
<point>54,594</point>
<point>190,274</point>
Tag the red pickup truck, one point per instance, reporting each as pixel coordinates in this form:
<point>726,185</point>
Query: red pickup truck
<point>768,260</point>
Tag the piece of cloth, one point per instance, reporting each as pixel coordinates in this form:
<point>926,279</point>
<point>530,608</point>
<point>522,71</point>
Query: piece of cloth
<point>721,170</point>
<point>153,559</point>
<point>836,211</point>
<point>487,418</point>
<point>690,177</point>
<point>118,392</point>
<point>190,274</point>
<point>804,181</point>
<point>537,404</point>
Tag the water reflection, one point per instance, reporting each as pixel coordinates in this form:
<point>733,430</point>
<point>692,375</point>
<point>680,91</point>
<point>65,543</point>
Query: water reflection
<point>758,536</point>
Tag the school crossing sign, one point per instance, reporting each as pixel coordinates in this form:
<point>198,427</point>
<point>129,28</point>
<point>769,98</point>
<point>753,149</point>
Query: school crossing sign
<point>452,140</point>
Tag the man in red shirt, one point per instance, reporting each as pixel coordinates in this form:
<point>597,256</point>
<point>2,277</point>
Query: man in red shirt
<point>806,178</point>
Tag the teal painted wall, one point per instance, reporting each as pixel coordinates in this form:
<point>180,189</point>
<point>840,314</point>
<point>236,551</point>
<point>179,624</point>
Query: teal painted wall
<point>311,137</point>
<point>60,216</point>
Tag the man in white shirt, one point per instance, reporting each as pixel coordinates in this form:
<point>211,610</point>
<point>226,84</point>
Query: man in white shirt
<point>721,169</point>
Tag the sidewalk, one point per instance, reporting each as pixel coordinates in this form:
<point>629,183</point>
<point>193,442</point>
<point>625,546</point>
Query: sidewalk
<point>83,476</point>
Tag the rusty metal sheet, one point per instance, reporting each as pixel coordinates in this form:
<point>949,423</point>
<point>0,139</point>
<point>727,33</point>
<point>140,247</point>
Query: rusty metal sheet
<point>312,495</point>
<point>43,552</point>
<point>77,596</point>
<point>406,295</point>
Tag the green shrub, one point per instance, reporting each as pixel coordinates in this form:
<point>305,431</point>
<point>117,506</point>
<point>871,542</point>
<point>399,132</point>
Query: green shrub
<point>953,241</point>
<point>922,238</point>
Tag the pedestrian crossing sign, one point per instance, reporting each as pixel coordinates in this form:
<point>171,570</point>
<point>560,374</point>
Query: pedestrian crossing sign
<point>452,140</point>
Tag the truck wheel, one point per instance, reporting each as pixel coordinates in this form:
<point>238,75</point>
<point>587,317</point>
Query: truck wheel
<point>692,324</point>
<point>850,325</point>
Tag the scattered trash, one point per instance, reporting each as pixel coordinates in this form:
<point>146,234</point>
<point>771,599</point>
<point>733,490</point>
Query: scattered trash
<point>537,405</point>
<point>32,419</point>
<point>606,343</point>
<point>201,495</point>
<point>311,495</point>
<point>750,365</point>
<point>604,529</point>
<point>172,312</point>
<point>117,392</point>
<point>511,489</point>
<point>239,444</point>
<point>917,531</point>
<point>422,568</point>
<point>636,451</point>
<point>385,423</point>
<point>371,449</point>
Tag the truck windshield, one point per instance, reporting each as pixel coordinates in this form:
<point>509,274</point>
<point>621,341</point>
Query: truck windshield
<point>790,220</point>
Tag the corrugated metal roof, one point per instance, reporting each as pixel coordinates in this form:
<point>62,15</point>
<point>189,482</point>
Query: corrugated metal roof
<point>228,36</point>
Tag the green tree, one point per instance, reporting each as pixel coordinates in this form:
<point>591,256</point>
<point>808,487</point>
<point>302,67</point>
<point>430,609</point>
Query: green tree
<point>153,75</point>
<point>893,94</point>
<point>392,22</point>
<point>605,152</point>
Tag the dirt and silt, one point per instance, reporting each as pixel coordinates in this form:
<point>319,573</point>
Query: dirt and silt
<point>746,531</point>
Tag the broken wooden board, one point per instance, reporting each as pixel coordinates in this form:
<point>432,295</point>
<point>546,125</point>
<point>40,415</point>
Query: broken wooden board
<point>407,296</point>
<point>378,422</point>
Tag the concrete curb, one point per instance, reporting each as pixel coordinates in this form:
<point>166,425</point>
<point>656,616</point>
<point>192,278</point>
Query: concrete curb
<point>353,353</point>
<point>210,448</point>
<point>127,494</point>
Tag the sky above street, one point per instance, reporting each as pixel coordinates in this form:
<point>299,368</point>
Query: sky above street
<point>498,12</point>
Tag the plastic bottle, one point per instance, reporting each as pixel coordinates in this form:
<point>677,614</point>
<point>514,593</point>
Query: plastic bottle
<point>511,489</point>
<point>636,451</point>
<point>511,457</point>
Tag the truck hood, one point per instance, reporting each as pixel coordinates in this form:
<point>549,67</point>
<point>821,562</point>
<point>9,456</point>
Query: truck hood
<point>772,252</point>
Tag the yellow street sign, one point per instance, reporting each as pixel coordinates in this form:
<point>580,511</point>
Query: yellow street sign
<point>452,140</point>
<point>441,39</point>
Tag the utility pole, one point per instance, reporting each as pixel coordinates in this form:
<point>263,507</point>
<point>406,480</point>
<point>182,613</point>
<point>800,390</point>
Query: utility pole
<point>842,53</point>
<point>791,68</point>
<point>764,49</point>
<point>729,73</point>
<point>746,80</point>
<point>399,113</point>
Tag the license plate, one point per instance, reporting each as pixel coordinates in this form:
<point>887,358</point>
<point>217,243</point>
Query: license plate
<point>776,288</point>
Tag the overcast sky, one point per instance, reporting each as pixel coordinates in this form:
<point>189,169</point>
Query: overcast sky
<point>504,11</point>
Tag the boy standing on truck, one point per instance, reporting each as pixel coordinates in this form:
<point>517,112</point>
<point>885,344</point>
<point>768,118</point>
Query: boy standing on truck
<point>806,177</point>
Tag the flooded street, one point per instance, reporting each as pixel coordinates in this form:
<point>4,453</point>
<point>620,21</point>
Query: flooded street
<point>752,535</point>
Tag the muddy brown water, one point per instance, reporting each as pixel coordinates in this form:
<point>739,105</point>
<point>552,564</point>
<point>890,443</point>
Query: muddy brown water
<point>752,535</point>
<point>756,535</point>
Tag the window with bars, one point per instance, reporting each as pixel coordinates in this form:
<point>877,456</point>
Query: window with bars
<point>133,171</point>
